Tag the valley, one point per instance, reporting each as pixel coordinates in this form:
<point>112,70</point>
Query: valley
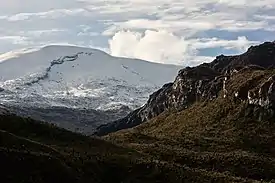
<point>214,123</point>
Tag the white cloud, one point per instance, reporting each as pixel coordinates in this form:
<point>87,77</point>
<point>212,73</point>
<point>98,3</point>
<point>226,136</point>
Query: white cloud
<point>241,43</point>
<point>234,2</point>
<point>47,14</point>
<point>110,31</point>
<point>86,31</point>
<point>166,31</point>
<point>38,33</point>
<point>267,4</point>
<point>91,34</point>
<point>159,46</point>
<point>168,25</point>
<point>165,47</point>
<point>265,17</point>
<point>15,39</point>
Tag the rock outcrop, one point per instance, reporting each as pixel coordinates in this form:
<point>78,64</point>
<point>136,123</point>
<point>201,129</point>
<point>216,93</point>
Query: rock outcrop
<point>205,83</point>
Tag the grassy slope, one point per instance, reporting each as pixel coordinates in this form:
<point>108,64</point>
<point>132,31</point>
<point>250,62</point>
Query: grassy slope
<point>218,136</point>
<point>35,152</point>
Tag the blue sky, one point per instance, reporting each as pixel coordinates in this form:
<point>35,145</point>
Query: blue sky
<point>180,32</point>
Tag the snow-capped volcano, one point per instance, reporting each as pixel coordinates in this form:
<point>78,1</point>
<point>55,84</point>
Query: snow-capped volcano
<point>75,77</point>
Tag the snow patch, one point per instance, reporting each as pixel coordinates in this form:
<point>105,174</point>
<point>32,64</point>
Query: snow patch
<point>79,77</point>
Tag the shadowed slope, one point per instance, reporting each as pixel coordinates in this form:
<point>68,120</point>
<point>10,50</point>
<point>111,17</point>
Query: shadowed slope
<point>34,152</point>
<point>232,134</point>
<point>196,84</point>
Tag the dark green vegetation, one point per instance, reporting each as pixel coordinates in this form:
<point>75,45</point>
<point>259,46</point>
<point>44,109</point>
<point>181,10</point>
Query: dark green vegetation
<point>35,152</point>
<point>225,135</point>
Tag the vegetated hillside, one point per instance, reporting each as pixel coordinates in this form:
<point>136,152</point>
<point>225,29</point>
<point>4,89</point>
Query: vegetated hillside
<point>233,133</point>
<point>198,84</point>
<point>34,152</point>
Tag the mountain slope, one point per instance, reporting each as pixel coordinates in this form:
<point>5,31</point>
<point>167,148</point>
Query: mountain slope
<point>228,126</point>
<point>197,84</point>
<point>34,152</point>
<point>74,78</point>
<point>226,135</point>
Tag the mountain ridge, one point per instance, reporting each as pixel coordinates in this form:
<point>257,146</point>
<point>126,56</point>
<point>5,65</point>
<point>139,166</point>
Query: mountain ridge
<point>224,124</point>
<point>193,84</point>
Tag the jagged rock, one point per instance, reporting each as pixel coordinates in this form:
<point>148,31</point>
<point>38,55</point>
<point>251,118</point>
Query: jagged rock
<point>264,96</point>
<point>191,85</point>
<point>205,82</point>
<point>262,56</point>
<point>261,101</point>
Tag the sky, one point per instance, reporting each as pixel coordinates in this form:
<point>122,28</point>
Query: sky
<point>182,32</point>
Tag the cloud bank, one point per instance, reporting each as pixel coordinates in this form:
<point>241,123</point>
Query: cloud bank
<point>180,32</point>
<point>165,47</point>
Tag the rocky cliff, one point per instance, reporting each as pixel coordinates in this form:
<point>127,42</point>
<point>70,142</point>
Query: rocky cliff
<point>204,83</point>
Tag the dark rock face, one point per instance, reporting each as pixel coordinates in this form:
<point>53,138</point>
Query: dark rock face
<point>261,101</point>
<point>205,82</point>
<point>261,56</point>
